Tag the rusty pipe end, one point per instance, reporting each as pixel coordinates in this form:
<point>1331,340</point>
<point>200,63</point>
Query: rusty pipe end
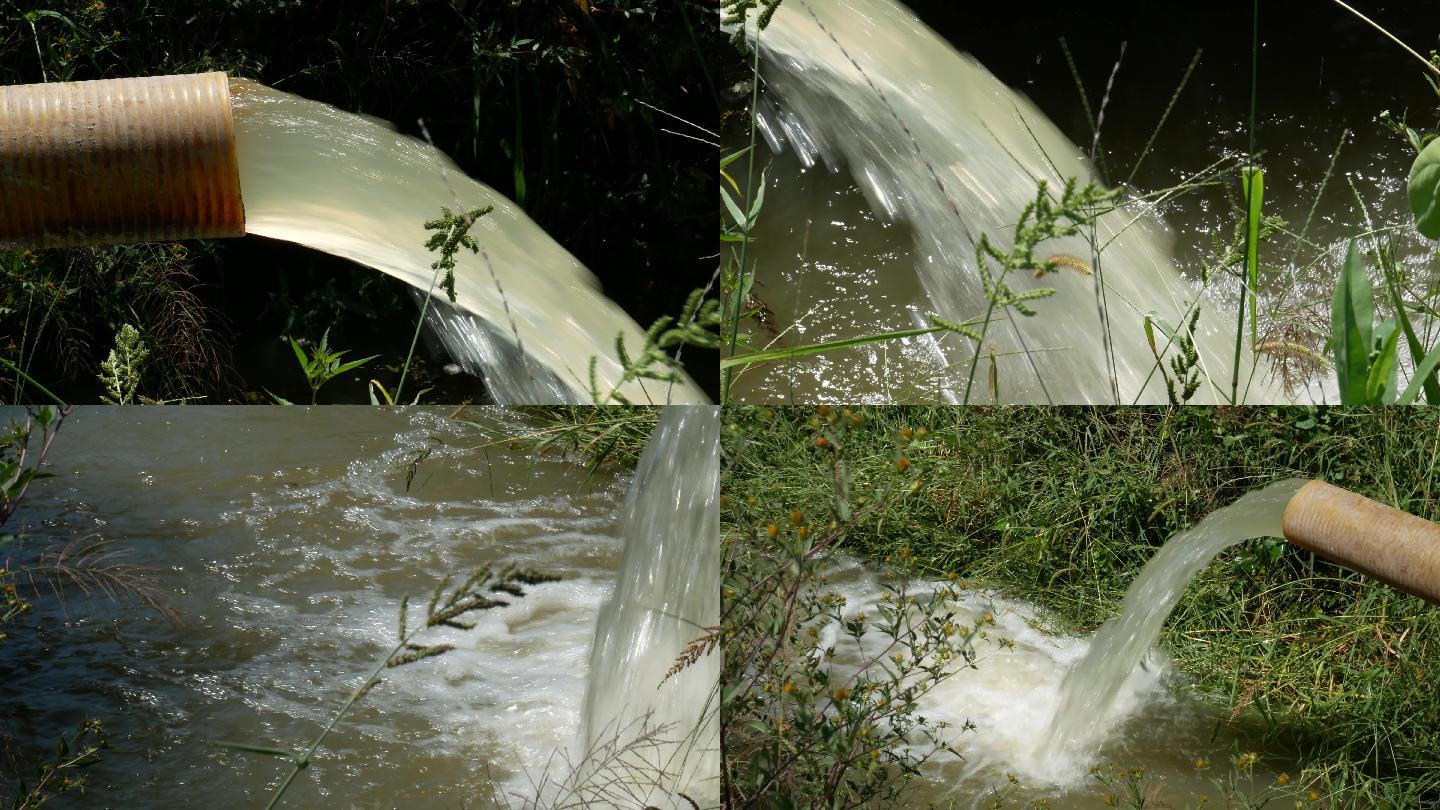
<point>1382,542</point>
<point>118,161</point>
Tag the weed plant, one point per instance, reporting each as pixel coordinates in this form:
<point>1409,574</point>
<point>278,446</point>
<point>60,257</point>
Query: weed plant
<point>795,733</point>
<point>36,568</point>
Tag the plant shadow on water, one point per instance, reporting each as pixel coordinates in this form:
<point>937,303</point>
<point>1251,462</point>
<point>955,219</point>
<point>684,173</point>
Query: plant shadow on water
<point>284,540</point>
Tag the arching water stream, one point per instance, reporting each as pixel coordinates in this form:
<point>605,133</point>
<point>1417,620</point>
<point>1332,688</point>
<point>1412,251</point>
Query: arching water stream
<point>356,188</point>
<point>1092,687</point>
<point>1044,707</point>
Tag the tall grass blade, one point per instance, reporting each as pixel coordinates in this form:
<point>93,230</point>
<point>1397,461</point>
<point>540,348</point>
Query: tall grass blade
<point>1380,382</point>
<point>820,348</point>
<point>1254,198</point>
<point>1424,376</point>
<point>1352,313</point>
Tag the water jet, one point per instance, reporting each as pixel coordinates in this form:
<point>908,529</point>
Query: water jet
<point>1391,546</point>
<point>207,156</point>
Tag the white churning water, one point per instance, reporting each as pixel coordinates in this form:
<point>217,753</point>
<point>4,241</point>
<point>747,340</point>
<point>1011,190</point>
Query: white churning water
<point>285,539</point>
<point>666,594</point>
<point>1045,707</point>
<point>835,70</point>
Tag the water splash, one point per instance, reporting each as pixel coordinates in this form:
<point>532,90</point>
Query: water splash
<point>997,712</point>
<point>1087,707</point>
<point>481,352</point>
<point>665,595</point>
<point>286,539</point>
<point>838,75</point>
<point>355,188</point>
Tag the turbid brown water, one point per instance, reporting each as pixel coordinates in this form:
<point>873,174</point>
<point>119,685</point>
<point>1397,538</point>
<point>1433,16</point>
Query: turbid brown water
<point>284,540</point>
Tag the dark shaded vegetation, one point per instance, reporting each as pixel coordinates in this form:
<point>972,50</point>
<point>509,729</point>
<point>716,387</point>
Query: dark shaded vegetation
<point>539,99</point>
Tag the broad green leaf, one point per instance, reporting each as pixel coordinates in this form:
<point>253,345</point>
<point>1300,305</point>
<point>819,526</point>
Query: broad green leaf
<point>1424,372</point>
<point>354,364</point>
<point>733,156</point>
<point>1425,190</point>
<point>1380,383</point>
<point>735,213</point>
<point>1160,323</point>
<point>300,355</point>
<point>759,200</point>
<point>34,16</point>
<point>1352,313</point>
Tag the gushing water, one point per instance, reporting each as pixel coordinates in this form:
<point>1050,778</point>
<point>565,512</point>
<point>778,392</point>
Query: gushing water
<point>1043,707</point>
<point>353,187</point>
<point>474,344</point>
<point>864,85</point>
<point>1088,694</point>
<point>999,712</point>
<point>665,596</point>
<point>285,539</point>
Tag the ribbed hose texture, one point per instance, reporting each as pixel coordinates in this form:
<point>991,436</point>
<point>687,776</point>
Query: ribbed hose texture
<point>1394,547</point>
<point>118,161</point>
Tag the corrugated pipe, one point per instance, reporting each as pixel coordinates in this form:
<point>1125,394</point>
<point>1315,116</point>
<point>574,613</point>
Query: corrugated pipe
<point>1394,547</point>
<point>118,161</point>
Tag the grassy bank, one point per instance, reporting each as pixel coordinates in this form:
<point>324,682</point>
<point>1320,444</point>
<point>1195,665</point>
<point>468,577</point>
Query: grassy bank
<point>1063,506</point>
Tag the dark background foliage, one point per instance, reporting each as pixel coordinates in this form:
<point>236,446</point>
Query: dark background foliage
<point>537,98</point>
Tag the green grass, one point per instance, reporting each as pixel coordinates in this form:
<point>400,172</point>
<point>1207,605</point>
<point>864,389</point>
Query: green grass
<point>1063,506</point>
